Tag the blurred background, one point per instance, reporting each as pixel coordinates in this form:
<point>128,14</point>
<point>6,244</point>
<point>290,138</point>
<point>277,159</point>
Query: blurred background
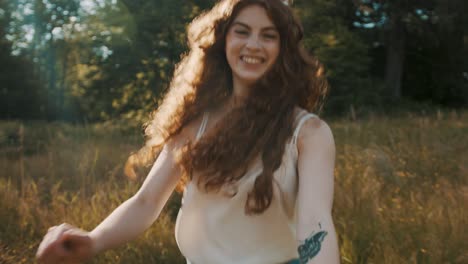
<point>79,78</point>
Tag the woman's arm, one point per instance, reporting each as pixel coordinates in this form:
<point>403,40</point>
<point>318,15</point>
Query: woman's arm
<point>316,236</point>
<point>68,244</point>
<point>137,213</point>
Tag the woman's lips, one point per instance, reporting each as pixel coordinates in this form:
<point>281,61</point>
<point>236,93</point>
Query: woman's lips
<point>252,60</point>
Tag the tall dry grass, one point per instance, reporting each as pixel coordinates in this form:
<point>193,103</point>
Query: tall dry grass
<point>400,197</point>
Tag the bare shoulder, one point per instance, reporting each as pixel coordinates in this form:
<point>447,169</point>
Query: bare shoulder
<point>187,134</point>
<point>315,133</point>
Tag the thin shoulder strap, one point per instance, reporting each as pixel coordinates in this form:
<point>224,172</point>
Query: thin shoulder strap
<point>301,121</point>
<point>202,128</point>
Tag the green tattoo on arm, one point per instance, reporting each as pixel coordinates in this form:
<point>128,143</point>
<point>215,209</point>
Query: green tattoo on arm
<point>311,246</point>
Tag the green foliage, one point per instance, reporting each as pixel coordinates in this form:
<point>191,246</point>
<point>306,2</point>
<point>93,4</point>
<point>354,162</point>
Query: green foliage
<point>432,34</point>
<point>20,87</point>
<point>63,60</point>
<point>149,43</point>
<point>344,54</point>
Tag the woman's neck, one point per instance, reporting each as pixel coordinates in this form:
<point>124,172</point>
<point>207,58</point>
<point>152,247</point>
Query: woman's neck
<point>240,90</point>
<point>234,101</point>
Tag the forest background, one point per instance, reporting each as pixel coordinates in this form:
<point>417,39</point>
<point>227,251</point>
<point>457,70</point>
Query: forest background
<point>79,78</point>
<point>98,60</point>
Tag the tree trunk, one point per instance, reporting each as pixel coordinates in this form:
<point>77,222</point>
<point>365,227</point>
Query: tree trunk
<point>395,57</point>
<point>52,82</point>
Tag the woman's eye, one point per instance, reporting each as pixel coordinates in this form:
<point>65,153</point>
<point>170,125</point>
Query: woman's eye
<point>270,36</point>
<point>241,32</point>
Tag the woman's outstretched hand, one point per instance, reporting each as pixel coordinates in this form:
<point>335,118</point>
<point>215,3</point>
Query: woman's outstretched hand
<point>65,244</point>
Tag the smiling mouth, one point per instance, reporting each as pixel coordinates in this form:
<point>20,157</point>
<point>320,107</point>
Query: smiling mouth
<point>252,60</point>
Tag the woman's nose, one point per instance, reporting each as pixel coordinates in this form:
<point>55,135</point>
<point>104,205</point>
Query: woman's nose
<point>253,42</point>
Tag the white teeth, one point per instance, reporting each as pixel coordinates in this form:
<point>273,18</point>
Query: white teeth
<point>251,60</point>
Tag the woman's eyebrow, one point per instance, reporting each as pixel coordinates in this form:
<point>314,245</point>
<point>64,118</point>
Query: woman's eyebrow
<point>247,26</point>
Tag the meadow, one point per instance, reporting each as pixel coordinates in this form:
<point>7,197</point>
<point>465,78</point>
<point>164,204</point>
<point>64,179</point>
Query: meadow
<point>401,188</point>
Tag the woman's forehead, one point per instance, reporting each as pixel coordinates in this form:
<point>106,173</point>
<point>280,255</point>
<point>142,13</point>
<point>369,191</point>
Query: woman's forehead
<point>254,16</point>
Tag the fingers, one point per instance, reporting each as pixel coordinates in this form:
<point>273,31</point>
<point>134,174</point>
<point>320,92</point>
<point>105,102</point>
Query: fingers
<point>51,236</point>
<point>51,250</point>
<point>78,243</point>
<point>75,236</point>
<point>64,244</point>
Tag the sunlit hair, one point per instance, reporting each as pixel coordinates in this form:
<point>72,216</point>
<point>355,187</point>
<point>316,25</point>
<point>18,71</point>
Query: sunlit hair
<point>259,128</point>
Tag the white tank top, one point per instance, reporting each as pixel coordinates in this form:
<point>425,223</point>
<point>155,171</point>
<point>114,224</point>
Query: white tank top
<point>212,228</point>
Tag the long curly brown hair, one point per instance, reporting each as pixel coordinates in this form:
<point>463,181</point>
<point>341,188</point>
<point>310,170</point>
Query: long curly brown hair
<point>259,128</point>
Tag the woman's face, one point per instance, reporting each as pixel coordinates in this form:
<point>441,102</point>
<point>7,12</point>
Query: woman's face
<point>252,45</point>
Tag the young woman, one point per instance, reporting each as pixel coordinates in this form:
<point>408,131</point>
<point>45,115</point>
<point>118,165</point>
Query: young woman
<point>235,128</point>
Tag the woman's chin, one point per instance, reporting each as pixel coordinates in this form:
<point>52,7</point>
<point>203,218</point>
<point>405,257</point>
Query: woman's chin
<point>249,79</point>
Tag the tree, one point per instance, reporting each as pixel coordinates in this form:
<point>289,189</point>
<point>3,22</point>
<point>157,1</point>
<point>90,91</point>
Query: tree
<point>20,90</point>
<point>144,52</point>
<point>329,36</point>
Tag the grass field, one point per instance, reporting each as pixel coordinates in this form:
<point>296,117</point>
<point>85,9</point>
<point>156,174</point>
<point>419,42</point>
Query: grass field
<point>401,188</point>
